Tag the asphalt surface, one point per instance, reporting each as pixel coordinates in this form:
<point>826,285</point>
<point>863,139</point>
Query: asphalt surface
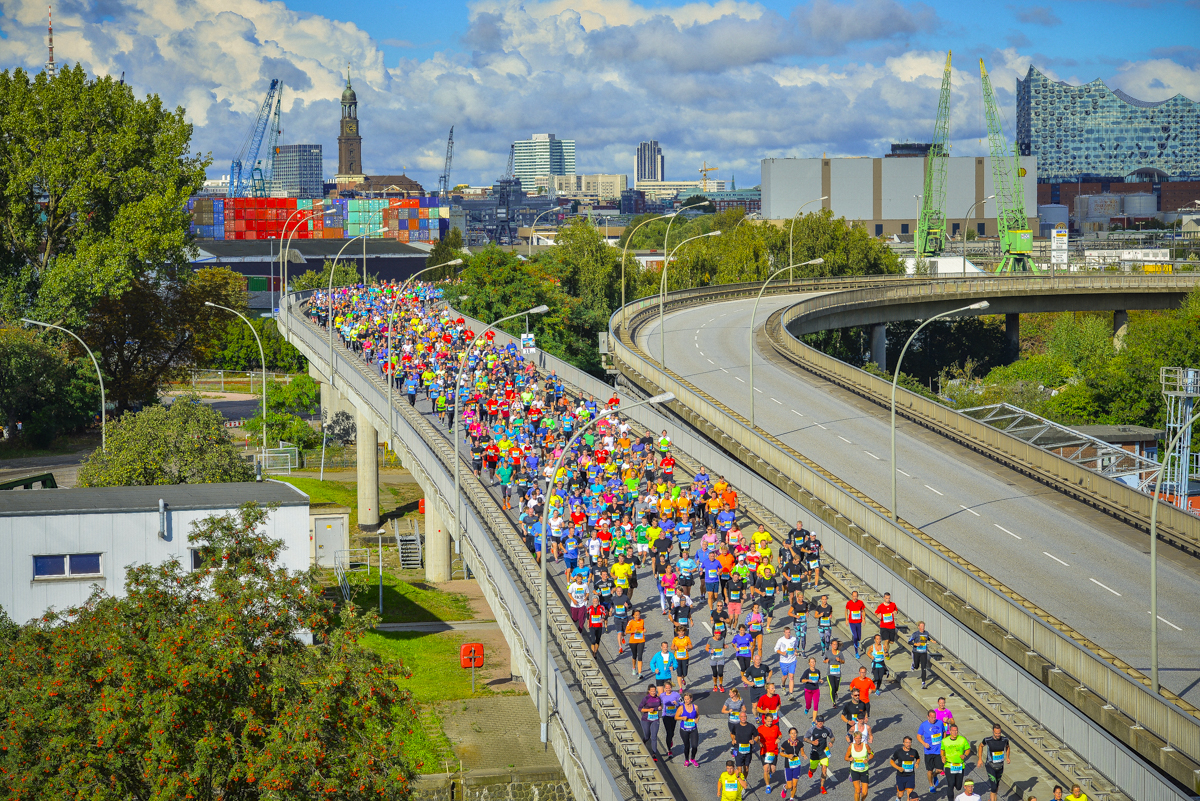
<point>1076,563</point>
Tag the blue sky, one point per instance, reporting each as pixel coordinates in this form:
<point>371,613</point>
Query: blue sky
<point>727,81</point>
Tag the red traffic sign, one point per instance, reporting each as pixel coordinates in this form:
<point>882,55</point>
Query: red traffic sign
<point>421,506</point>
<point>471,655</point>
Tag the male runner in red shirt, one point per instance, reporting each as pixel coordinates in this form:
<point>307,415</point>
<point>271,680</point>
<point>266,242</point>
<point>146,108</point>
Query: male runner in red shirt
<point>886,612</point>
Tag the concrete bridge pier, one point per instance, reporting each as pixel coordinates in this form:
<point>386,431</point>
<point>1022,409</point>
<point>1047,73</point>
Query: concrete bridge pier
<point>1120,327</point>
<point>437,542</point>
<point>367,452</point>
<point>879,345</point>
<point>1012,333</point>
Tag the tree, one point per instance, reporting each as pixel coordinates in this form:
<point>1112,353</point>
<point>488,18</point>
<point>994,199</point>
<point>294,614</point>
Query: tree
<point>184,443</point>
<point>699,203</point>
<point>286,402</point>
<point>43,388</point>
<point>158,324</point>
<point>93,192</point>
<point>235,348</point>
<point>445,250</point>
<point>199,684</point>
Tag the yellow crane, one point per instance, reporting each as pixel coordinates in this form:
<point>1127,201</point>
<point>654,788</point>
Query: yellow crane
<point>704,171</point>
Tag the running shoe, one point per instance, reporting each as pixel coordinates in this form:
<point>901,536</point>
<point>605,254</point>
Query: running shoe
<point>823,790</point>
<point>768,789</point>
<point>810,772</point>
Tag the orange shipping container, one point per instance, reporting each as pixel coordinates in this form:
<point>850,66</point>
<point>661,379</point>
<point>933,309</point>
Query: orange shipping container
<point>423,214</point>
<point>402,236</point>
<point>413,225</point>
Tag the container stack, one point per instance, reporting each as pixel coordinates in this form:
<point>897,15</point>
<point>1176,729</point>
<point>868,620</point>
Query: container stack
<point>407,220</point>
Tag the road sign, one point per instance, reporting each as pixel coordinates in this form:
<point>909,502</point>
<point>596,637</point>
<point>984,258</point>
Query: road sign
<point>1059,245</point>
<point>471,656</point>
<point>528,345</point>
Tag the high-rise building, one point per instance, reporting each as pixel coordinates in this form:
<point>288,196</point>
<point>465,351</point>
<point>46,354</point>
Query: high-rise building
<point>650,163</point>
<point>1093,132</point>
<point>541,155</point>
<point>298,171</point>
<point>349,140</point>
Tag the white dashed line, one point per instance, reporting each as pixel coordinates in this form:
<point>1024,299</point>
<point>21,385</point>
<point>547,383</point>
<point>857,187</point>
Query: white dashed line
<point>739,378</point>
<point>778,401</point>
<point>756,389</point>
<point>1006,531</point>
<point>723,370</point>
<point>697,331</point>
<point>710,361</point>
<point>1056,559</point>
<point>960,506</point>
<point>796,412</point>
<point>843,439</point>
<point>1097,583</point>
<point>822,427</point>
<point>931,489</point>
<point>1164,620</point>
<point>901,472</point>
<point>702,354</point>
<point>873,456</point>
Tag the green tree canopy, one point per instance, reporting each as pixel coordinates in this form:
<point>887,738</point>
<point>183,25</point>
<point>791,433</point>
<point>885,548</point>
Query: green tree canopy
<point>199,684</point>
<point>348,274</point>
<point>235,348</point>
<point>445,250</point>
<point>184,443</point>
<point>288,402</point>
<point>43,387</point>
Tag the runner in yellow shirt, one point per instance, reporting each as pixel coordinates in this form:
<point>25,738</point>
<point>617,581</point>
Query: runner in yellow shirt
<point>730,784</point>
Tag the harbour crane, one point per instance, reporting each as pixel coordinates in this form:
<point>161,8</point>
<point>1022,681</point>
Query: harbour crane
<point>241,170</point>
<point>931,227</point>
<point>1016,238</point>
<point>445,176</point>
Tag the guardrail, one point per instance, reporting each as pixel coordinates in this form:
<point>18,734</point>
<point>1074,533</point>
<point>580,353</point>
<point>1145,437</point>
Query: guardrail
<point>508,574</point>
<point>1164,730</point>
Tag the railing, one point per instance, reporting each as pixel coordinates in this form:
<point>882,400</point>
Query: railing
<point>345,562</point>
<point>1110,692</point>
<point>248,381</point>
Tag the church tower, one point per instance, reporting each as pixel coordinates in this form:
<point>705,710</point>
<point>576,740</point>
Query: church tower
<point>349,141</point>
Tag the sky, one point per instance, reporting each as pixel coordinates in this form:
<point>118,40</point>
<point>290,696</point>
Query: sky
<point>729,82</point>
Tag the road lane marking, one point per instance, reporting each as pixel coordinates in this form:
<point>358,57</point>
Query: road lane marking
<point>843,439</point>
<point>756,389</point>
<point>723,370</point>
<point>972,511</point>
<point>822,427</point>
<point>1164,620</point>
<point>898,470</point>
<point>931,489</point>
<point>1056,559</point>
<point>710,361</point>
<point>1006,531</point>
<point>778,401</point>
<point>873,456</point>
<point>739,378</point>
<point>796,412</point>
<point>1105,586</point>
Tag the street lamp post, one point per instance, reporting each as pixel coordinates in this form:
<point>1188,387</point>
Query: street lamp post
<point>755,312</point>
<point>462,363</point>
<point>662,340</point>
<point>625,254</point>
<point>965,217</point>
<point>287,242</point>
<point>391,377</point>
<point>673,215</point>
<point>96,364</point>
<point>544,667</point>
<point>792,228</point>
<point>983,304</point>
<point>329,324</point>
<point>533,228</point>
<point>1186,428</point>
<point>263,358</point>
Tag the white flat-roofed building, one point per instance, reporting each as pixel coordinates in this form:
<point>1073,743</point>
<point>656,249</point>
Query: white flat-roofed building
<point>55,544</point>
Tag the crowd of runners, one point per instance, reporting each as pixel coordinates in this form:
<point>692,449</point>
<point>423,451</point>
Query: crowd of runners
<point>634,538</point>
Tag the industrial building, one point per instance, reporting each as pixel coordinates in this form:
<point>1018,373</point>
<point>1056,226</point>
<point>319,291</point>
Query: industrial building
<point>664,190</point>
<point>1091,132</point>
<point>884,194</point>
<point>298,171</point>
<point>649,164</point>
<point>57,544</point>
<point>541,155</point>
<point>586,187</point>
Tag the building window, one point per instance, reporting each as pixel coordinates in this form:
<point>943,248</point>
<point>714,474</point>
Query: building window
<point>66,565</point>
<point>904,228</point>
<point>981,228</point>
<point>197,561</point>
<point>878,229</point>
<point>954,232</point>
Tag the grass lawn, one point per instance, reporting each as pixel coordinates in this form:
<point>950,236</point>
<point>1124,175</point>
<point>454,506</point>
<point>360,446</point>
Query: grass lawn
<point>394,501</point>
<point>411,602</point>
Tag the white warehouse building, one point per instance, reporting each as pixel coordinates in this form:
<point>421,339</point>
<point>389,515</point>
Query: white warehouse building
<point>55,544</point>
<point>883,194</point>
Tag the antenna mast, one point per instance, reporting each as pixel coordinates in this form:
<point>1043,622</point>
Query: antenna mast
<point>51,70</point>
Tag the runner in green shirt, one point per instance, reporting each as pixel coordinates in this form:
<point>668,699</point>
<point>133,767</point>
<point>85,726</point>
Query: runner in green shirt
<point>955,749</point>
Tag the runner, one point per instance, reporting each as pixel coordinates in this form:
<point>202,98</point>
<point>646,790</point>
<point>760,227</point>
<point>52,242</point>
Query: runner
<point>955,750</point>
<point>904,760</point>
<point>681,647</point>
<point>785,646</point>
<point>994,755</point>
<point>820,739</point>
<point>716,660</point>
<point>854,617</point>
<point>768,748</point>
<point>878,653</point>
<point>744,735</point>
<point>863,684</point>
<point>920,641</point>
<point>969,794</point>
<point>651,708</point>
<point>835,659</point>
<point>791,752</point>
<point>853,711</point>
<point>597,617</point>
<point>799,611</point>
<point>767,706</point>
<point>743,645</point>
<point>930,735</point>
<point>755,622</point>
<point>688,716</point>
<point>886,612</point>
<point>859,755</point>
<point>810,680</point>
<point>758,674</point>
<point>730,783</point>
<point>671,699</point>
<point>824,615</point>
<point>635,630</point>
<point>663,664</point>
<point>732,709</point>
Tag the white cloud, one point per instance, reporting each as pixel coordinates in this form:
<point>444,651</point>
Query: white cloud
<point>729,81</point>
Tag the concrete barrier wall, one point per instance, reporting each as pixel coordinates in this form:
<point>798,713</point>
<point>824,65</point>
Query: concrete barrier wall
<point>1104,701</point>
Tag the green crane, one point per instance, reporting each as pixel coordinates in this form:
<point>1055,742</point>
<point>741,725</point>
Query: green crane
<point>1016,240</point>
<point>931,228</point>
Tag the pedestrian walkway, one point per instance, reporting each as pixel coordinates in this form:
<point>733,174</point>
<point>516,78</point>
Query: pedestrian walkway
<point>441,625</point>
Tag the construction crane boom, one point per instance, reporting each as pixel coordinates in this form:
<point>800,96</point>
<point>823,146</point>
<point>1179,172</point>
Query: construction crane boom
<point>1016,239</point>
<point>445,176</point>
<point>241,170</point>
<point>931,227</point>
<point>704,171</point>
<point>264,169</point>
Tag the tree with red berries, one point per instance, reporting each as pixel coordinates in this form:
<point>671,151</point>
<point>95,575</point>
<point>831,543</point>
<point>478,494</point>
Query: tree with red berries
<point>230,681</point>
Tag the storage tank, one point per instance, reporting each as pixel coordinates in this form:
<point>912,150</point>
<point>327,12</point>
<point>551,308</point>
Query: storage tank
<point>1052,213</point>
<point>1141,204</point>
<point>1102,206</point>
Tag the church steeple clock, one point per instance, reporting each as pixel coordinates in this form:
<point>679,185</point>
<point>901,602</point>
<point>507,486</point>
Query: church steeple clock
<point>349,140</point>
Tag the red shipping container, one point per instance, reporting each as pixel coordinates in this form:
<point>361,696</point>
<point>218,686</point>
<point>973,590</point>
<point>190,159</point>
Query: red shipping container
<point>402,236</point>
<point>410,203</point>
<point>251,235</point>
<point>239,226</point>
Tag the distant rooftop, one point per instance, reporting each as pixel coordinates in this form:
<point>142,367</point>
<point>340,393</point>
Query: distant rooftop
<point>98,500</point>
